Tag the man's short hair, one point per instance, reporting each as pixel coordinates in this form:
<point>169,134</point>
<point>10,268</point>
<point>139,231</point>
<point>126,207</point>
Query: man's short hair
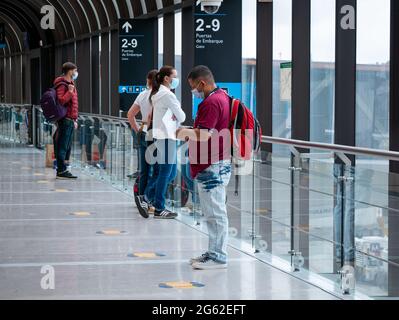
<point>201,72</point>
<point>68,66</point>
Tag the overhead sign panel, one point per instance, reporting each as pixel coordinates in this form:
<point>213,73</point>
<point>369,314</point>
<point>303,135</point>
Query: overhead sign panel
<point>218,45</point>
<point>137,57</point>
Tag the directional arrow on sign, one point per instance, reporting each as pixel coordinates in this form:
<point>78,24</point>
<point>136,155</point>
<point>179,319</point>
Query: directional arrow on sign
<point>127,26</point>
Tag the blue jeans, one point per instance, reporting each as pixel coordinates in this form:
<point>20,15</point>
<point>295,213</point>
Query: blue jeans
<point>212,183</point>
<point>63,142</point>
<point>149,192</point>
<point>68,155</point>
<point>190,185</point>
<point>144,167</point>
<point>163,173</point>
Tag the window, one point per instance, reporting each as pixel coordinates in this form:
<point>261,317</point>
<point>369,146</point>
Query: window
<point>160,42</point>
<point>282,53</point>
<point>249,54</point>
<point>372,93</point>
<point>178,50</point>
<point>322,71</point>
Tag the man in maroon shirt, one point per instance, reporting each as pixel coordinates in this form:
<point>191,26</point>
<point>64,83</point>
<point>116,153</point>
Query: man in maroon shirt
<point>210,160</point>
<point>67,96</point>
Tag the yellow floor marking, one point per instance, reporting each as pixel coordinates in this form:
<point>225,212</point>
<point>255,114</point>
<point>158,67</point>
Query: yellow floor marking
<point>145,255</point>
<point>180,285</point>
<point>81,213</point>
<point>111,232</point>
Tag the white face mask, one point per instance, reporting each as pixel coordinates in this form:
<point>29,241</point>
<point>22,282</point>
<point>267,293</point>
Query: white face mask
<point>175,83</point>
<point>197,94</point>
<point>75,76</point>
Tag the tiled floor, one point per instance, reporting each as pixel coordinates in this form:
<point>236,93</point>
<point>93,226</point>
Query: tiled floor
<point>37,229</point>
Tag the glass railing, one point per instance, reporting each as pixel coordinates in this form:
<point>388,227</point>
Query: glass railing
<point>15,123</point>
<point>103,147</point>
<point>314,213</point>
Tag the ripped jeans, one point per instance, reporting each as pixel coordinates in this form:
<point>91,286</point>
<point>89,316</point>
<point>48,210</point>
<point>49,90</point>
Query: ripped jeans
<point>212,183</point>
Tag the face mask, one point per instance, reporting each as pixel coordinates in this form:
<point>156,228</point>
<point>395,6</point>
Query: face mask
<point>175,83</point>
<point>75,76</point>
<point>197,94</point>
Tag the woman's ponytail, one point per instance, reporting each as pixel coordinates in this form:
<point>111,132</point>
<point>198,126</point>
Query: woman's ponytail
<point>159,79</point>
<point>151,77</point>
<point>156,84</point>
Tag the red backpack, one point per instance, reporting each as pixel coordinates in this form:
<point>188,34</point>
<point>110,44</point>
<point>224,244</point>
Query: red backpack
<point>246,138</point>
<point>246,132</point>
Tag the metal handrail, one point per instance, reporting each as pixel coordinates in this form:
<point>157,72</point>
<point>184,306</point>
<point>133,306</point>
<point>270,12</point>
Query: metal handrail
<point>16,105</point>
<point>389,155</point>
<point>335,148</point>
<point>103,117</point>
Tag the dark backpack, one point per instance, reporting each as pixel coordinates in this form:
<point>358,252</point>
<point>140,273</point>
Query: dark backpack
<point>52,109</point>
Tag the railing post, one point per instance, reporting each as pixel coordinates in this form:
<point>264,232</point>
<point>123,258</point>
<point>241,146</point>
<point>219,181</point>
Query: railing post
<point>34,125</point>
<point>299,207</point>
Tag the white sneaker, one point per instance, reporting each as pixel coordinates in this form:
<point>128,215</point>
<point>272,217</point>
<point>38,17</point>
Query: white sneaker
<point>208,264</point>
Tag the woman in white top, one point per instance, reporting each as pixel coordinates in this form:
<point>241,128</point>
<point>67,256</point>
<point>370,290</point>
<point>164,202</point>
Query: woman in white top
<point>167,118</point>
<point>142,105</point>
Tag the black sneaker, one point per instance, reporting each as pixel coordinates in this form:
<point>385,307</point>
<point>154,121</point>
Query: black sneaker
<point>142,206</point>
<point>66,175</point>
<point>137,200</point>
<point>208,264</point>
<point>164,214</point>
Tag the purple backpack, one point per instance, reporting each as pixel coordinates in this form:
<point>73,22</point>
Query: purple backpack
<point>52,109</point>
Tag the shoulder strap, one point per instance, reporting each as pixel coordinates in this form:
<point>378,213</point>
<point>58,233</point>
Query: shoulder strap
<point>61,83</point>
<point>234,106</point>
<point>234,111</point>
